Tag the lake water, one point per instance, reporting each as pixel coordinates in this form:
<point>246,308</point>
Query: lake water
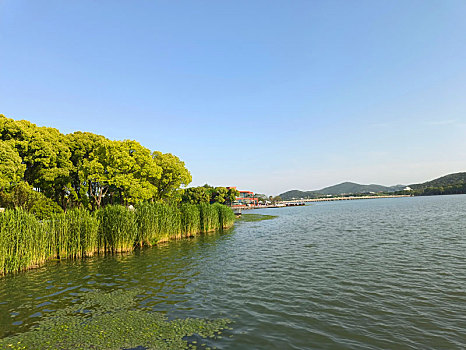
<point>365,274</point>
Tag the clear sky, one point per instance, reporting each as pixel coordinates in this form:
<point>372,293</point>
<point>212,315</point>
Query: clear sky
<point>265,95</point>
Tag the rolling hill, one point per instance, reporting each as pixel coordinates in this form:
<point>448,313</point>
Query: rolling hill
<point>343,188</point>
<point>444,181</point>
<point>351,187</point>
<point>448,184</point>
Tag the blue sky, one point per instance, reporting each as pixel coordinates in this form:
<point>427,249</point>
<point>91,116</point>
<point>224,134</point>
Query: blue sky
<point>265,95</point>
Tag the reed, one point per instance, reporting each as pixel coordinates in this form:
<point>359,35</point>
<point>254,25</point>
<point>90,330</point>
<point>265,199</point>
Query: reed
<point>226,216</point>
<point>26,242</point>
<point>118,229</point>
<point>83,228</point>
<point>22,241</point>
<point>147,223</point>
<point>209,217</point>
<point>168,222</point>
<point>190,220</point>
<point>62,244</point>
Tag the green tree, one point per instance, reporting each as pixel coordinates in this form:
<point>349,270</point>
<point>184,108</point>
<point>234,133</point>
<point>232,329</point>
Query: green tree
<point>82,146</point>
<point>219,195</point>
<point>45,154</point>
<point>174,176</point>
<point>11,166</point>
<point>125,167</point>
<point>86,169</point>
<point>231,195</point>
<point>195,195</point>
<point>23,195</point>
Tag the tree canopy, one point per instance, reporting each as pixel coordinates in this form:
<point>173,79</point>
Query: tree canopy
<point>11,165</point>
<point>209,194</point>
<point>85,169</point>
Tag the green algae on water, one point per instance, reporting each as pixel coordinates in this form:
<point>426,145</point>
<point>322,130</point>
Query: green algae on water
<point>112,321</point>
<point>255,217</point>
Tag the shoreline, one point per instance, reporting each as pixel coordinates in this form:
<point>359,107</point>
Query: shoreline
<point>79,233</point>
<point>301,202</point>
<point>344,198</point>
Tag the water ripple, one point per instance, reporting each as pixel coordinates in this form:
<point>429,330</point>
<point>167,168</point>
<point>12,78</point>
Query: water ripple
<point>379,274</point>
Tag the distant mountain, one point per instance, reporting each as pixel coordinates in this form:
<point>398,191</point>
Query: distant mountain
<point>455,179</point>
<point>343,188</point>
<point>351,187</point>
<point>448,184</point>
<point>296,194</point>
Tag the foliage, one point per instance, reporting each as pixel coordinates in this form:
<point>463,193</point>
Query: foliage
<point>174,176</point>
<point>440,190</point>
<point>451,180</point>
<point>231,195</point>
<point>11,166</point>
<point>275,199</point>
<point>125,168</point>
<point>261,198</point>
<point>84,169</point>
<point>195,195</point>
<point>24,196</point>
<point>209,194</point>
<point>219,195</point>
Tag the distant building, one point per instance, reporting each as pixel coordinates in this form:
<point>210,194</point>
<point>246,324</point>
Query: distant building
<point>245,198</point>
<point>407,188</point>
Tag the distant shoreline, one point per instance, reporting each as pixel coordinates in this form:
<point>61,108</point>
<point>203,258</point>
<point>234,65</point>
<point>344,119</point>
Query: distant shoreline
<point>342,198</point>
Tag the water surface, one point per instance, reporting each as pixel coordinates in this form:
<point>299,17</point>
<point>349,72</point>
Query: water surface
<point>365,274</point>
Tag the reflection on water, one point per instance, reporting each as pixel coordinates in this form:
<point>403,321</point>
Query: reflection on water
<point>385,273</point>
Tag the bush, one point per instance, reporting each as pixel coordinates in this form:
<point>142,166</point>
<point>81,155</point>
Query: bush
<point>23,195</point>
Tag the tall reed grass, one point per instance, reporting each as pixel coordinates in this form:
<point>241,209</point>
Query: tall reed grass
<point>118,229</point>
<point>190,220</point>
<point>85,226</point>
<point>226,216</point>
<point>209,217</point>
<point>23,241</point>
<point>26,242</point>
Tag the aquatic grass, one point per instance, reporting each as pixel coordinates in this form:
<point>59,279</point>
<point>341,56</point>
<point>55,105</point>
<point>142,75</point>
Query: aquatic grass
<point>157,222</point>
<point>22,241</point>
<point>146,219</point>
<point>209,218</point>
<point>226,216</point>
<point>118,229</point>
<point>190,220</point>
<point>26,242</point>
<point>65,244</point>
<point>168,222</point>
<point>83,226</point>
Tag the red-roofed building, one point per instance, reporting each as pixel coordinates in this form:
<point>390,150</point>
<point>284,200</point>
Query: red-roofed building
<point>245,198</point>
